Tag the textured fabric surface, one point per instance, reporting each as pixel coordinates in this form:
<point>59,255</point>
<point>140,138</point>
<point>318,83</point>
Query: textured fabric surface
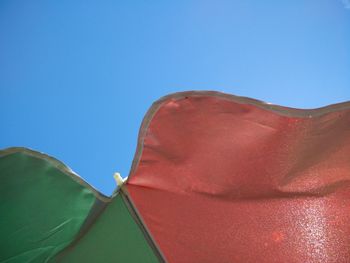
<point>42,208</point>
<point>219,178</point>
<point>113,237</point>
<point>49,214</point>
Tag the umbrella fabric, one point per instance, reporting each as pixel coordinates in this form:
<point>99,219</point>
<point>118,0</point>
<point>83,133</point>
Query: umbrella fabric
<point>220,178</point>
<point>215,178</point>
<point>49,214</point>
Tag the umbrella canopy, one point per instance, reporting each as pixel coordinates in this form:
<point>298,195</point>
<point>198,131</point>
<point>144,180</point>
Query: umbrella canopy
<point>215,178</point>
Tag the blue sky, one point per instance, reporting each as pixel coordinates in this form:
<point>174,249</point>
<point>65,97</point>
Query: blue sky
<point>77,77</point>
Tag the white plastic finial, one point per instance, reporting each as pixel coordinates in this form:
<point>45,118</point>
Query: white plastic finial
<point>119,180</point>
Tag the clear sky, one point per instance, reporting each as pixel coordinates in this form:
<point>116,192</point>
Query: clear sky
<point>77,77</point>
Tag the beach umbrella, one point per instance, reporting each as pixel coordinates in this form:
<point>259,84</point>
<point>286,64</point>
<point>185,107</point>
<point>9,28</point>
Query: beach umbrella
<point>215,178</point>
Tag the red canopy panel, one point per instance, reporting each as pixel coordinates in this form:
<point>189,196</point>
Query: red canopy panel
<point>220,178</point>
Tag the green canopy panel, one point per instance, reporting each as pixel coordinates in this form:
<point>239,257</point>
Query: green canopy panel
<point>114,237</point>
<point>49,214</point>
